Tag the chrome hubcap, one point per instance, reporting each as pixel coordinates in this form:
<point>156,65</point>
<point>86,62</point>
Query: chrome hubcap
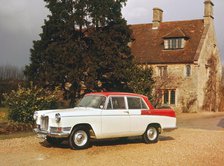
<point>152,133</point>
<point>80,138</point>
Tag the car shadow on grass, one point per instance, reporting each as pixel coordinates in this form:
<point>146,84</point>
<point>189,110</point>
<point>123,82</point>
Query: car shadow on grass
<point>107,142</point>
<point>166,138</point>
<point>125,141</point>
<point>117,141</point>
<point>63,145</point>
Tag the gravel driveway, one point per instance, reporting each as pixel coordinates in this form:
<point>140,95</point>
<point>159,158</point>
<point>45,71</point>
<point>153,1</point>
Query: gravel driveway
<point>199,140</point>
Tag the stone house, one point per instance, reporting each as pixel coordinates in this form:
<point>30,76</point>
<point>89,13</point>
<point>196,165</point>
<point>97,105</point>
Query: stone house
<point>184,57</point>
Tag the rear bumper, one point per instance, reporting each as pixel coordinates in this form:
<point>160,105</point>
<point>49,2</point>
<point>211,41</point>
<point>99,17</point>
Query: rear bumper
<point>43,134</point>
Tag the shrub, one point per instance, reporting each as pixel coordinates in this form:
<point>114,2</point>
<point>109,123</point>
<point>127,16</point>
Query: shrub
<point>188,103</point>
<point>141,81</point>
<point>24,102</point>
<point>7,86</point>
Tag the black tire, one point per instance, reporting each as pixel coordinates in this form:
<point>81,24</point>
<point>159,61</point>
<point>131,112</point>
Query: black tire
<point>151,134</point>
<point>79,138</point>
<point>54,141</point>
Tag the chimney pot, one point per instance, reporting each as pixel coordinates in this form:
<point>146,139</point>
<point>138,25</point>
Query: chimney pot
<point>208,12</point>
<point>157,17</point>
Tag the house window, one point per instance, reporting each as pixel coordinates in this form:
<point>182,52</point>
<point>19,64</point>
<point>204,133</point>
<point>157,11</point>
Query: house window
<point>162,71</point>
<point>168,96</point>
<point>173,97</point>
<point>188,70</point>
<point>207,67</point>
<point>174,43</point>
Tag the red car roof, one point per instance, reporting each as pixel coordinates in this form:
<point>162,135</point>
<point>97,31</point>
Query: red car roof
<point>123,94</point>
<point>116,93</point>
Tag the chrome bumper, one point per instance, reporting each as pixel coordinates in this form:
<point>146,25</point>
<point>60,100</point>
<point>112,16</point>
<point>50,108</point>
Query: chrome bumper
<point>43,134</point>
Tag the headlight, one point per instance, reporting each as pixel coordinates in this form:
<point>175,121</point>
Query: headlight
<point>58,117</point>
<point>35,115</point>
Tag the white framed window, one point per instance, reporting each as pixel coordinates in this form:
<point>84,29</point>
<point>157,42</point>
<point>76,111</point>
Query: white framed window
<point>188,70</point>
<point>174,43</point>
<point>162,71</point>
<point>166,44</point>
<point>168,96</point>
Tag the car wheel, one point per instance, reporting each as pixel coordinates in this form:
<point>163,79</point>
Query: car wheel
<point>79,138</point>
<point>151,135</point>
<point>54,141</point>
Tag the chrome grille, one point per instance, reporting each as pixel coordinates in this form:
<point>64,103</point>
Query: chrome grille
<point>44,123</point>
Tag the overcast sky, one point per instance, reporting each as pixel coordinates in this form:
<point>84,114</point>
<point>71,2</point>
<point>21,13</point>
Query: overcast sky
<point>21,21</point>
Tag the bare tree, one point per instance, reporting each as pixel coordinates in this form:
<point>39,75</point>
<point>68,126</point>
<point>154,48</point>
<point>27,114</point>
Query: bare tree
<point>168,81</point>
<point>9,72</point>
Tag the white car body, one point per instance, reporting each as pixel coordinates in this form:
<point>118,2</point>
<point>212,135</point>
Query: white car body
<point>103,122</point>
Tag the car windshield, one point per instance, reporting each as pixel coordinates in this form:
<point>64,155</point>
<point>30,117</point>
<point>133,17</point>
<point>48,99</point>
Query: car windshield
<point>93,101</point>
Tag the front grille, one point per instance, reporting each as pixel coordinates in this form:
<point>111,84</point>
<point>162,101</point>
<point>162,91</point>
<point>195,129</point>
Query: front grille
<point>44,123</point>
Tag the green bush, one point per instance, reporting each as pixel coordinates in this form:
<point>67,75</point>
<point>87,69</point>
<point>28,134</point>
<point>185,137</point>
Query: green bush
<point>23,102</point>
<point>141,80</point>
<point>7,86</point>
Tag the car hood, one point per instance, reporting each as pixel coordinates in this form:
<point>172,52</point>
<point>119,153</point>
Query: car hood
<point>77,111</point>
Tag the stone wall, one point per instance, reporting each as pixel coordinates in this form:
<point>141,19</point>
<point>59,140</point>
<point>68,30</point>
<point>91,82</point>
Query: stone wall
<point>208,49</point>
<point>191,91</point>
<point>185,86</point>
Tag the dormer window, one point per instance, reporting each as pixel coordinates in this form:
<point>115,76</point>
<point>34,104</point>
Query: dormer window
<point>174,43</point>
<point>176,39</point>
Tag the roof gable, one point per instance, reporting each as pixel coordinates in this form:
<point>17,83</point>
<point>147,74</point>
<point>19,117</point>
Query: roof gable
<point>148,44</point>
<point>176,33</point>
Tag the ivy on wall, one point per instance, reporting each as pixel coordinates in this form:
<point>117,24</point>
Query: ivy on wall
<point>211,90</point>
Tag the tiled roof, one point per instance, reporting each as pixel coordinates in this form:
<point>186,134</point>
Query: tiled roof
<point>148,44</point>
<point>177,32</point>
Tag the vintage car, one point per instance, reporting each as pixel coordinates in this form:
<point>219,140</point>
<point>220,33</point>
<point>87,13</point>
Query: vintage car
<point>104,115</point>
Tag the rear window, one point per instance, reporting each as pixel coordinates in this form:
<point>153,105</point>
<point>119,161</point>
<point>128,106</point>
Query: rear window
<point>136,103</point>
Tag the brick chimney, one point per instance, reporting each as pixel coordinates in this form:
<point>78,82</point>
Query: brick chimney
<point>157,18</point>
<point>208,12</point>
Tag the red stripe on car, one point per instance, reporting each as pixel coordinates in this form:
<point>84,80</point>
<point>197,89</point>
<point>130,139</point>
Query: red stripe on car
<point>158,112</point>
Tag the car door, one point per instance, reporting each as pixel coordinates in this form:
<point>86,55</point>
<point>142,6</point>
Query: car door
<point>135,106</point>
<point>115,118</point>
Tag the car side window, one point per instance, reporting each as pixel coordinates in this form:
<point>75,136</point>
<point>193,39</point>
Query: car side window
<point>143,105</point>
<point>109,105</point>
<point>136,103</point>
<point>116,103</point>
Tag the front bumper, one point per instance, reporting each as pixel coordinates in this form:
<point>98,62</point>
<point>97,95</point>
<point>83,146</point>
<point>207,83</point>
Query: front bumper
<point>43,134</point>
